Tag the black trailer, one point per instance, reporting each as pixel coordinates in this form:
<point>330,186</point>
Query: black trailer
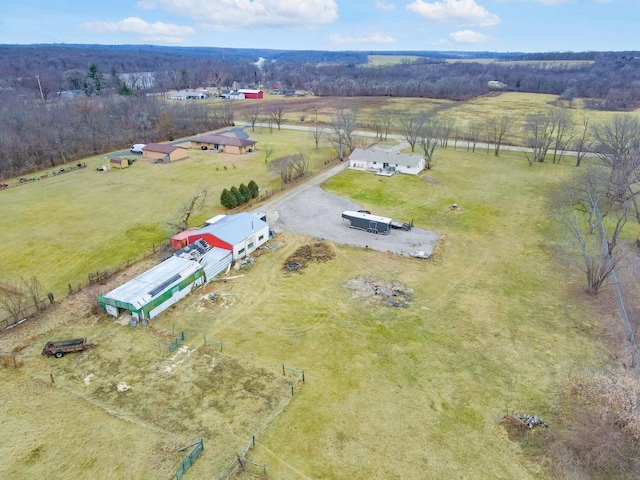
<point>366,221</point>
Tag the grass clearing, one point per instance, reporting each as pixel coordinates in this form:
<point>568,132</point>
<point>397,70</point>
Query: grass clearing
<point>61,228</point>
<point>413,392</point>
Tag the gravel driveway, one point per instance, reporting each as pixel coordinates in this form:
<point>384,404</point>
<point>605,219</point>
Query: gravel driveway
<point>312,211</point>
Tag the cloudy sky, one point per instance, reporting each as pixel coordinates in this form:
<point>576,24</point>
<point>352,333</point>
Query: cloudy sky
<point>494,25</point>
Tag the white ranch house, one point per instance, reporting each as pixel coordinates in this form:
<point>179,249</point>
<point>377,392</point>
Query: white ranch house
<point>379,161</point>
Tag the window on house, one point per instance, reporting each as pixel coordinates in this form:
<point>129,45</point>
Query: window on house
<point>241,251</point>
<point>260,237</point>
<point>250,245</point>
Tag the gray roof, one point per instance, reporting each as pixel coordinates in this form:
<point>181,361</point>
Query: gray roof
<point>141,290</point>
<point>233,229</point>
<point>379,156</point>
<point>223,140</point>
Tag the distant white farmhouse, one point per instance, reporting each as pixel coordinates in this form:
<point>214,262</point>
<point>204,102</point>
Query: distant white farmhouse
<point>496,85</point>
<point>380,161</point>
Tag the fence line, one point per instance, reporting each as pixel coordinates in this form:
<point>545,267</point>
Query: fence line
<point>192,457</point>
<point>31,310</point>
<point>619,297</point>
<point>173,346</point>
<point>300,377</point>
<point>219,342</point>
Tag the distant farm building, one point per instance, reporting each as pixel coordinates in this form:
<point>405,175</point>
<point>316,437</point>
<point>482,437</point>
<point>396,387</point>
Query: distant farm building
<point>379,161</point>
<point>187,95</point>
<point>166,153</point>
<point>119,162</point>
<point>241,233</point>
<point>149,294</point>
<point>233,95</point>
<point>223,143</point>
<point>248,93</point>
<point>496,85</point>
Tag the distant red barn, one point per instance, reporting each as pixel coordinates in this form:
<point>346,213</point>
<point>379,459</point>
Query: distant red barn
<point>251,93</point>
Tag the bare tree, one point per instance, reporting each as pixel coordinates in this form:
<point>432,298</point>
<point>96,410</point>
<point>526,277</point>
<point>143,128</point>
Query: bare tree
<point>583,141</point>
<point>275,111</point>
<point>540,128</point>
<point>386,121</point>
<point>268,150</point>
<point>252,114</point>
<point>290,167</point>
<point>12,301</point>
<point>410,126</point>
<point>429,138</point>
<point>34,291</point>
<point>498,129</point>
<point>447,124</point>
<point>474,130</point>
<point>586,243</point>
<point>564,132</point>
<point>343,124</point>
<point>317,134</point>
<point>190,207</point>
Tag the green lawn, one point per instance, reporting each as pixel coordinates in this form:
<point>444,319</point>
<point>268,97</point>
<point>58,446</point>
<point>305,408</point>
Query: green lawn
<point>61,228</point>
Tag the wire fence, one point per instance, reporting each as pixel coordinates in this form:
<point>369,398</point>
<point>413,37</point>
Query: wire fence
<point>173,346</point>
<point>619,297</point>
<point>31,310</point>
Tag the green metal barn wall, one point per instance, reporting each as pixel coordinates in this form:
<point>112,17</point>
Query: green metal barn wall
<point>144,311</point>
<point>170,292</point>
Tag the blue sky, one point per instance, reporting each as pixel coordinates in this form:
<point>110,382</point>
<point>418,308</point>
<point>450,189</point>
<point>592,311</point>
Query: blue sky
<point>465,25</point>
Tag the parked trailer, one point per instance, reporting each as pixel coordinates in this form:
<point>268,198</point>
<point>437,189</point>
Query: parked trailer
<point>368,222</point>
<point>58,348</point>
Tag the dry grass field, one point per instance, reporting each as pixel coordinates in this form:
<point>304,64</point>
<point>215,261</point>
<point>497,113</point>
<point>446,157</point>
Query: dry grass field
<point>495,319</point>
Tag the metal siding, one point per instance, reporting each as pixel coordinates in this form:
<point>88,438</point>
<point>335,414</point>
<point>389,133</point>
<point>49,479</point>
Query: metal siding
<point>215,261</point>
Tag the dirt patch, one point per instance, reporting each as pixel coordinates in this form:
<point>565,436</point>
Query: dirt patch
<point>319,252</point>
<point>393,294</point>
<point>428,179</point>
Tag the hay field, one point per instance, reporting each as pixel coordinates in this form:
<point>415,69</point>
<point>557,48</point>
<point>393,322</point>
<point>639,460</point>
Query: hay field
<point>387,60</point>
<point>63,227</point>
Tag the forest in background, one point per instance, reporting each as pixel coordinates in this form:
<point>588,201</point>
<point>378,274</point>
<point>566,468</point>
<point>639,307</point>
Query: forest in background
<point>119,89</point>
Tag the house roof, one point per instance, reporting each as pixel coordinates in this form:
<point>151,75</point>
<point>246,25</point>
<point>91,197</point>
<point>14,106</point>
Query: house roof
<point>141,290</point>
<point>161,148</point>
<point>248,90</point>
<point>233,229</point>
<point>380,156</point>
<point>223,140</point>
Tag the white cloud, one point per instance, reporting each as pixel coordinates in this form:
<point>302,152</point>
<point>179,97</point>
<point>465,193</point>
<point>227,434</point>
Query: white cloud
<point>469,36</point>
<point>380,5</point>
<point>370,37</point>
<point>235,14</point>
<point>463,12</point>
<point>158,32</point>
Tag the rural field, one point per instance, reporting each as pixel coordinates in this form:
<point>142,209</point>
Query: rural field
<point>63,227</point>
<point>490,325</point>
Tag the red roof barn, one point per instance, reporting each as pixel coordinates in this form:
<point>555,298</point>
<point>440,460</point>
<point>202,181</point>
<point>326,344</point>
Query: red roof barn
<point>251,93</point>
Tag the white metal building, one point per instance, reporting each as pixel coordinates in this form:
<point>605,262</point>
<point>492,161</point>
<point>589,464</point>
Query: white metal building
<point>381,161</point>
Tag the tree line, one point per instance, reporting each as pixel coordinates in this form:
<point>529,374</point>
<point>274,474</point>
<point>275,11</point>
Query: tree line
<point>36,135</point>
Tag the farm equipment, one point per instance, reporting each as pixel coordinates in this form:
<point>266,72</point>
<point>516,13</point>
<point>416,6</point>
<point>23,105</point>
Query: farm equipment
<point>58,348</point>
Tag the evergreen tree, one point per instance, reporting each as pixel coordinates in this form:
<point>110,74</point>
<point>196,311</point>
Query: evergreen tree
<point>228,200</point>
<point>235,192</point>
<point>245,192</point>
<point>253,187</point>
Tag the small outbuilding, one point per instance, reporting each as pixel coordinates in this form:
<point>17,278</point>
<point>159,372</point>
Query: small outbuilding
<point>223,143</point>
<point>180,240</point>
<point>149,294</point>
<point>119,162</point>
<point>241,233</point>
<point>380,161</point>
<point>164,152</point>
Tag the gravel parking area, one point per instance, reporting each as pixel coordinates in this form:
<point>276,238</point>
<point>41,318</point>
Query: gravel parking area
<point>312,211</point>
